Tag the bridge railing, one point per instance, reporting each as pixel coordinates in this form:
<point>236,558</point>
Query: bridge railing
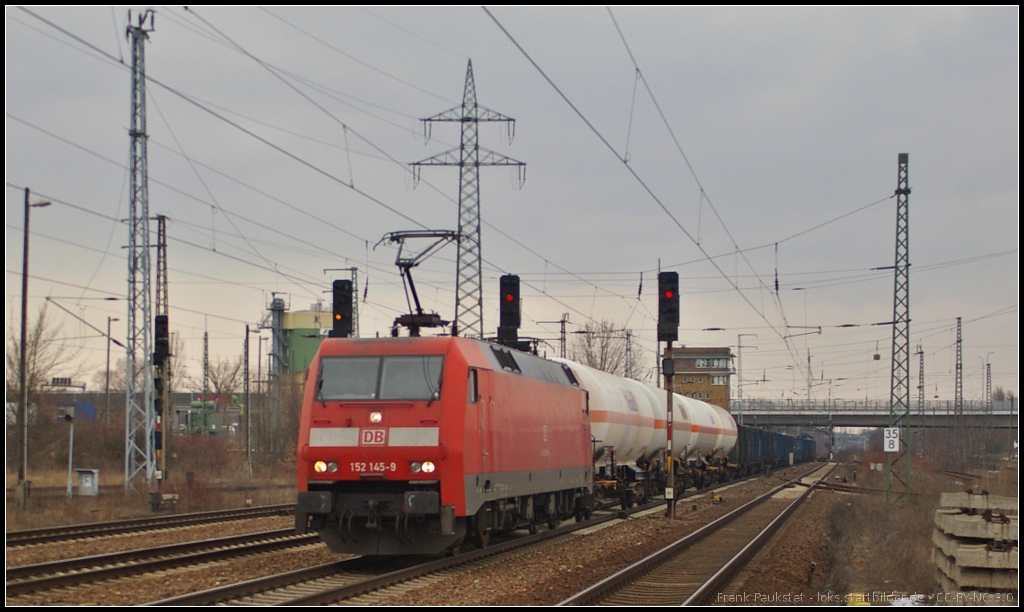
<point>934,407</point>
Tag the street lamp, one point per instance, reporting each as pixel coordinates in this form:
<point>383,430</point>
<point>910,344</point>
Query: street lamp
<point>23,484</point>
<point>248,403</point>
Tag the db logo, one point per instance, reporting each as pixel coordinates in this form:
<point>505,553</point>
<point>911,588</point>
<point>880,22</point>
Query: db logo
<point>373,437</point>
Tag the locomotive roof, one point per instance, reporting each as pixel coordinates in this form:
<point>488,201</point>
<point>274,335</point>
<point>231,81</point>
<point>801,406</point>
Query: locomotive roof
<point>497,357</point>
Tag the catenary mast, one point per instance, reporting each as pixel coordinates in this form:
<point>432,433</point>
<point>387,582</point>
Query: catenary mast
<point>139,417</point>
<point>469,306</point>
<point>897,484</point>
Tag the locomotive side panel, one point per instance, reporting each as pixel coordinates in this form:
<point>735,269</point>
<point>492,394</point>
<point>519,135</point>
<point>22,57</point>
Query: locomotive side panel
<point>534,438</point>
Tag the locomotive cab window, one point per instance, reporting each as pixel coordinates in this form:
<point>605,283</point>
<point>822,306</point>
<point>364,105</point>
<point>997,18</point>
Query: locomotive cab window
<point>348,378</point>
<point>472,395</point>
<point>404,377</point>
<point>411,378</point>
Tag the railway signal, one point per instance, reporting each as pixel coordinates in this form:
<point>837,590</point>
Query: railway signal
<point>162,345</point>
<point>510,315</point>
<point>342,309</point>
<point>668,306</point>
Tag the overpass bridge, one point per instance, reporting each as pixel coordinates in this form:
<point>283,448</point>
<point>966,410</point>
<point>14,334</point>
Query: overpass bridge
<point>843,413</point>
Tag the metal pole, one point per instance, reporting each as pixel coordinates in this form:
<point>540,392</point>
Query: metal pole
<point>739,375</point>
<point>71,455</point>
<point>23,482</point>
<point>565,319</point>
<point>669,370</point>
<point>23,485</point>
<point>248,409</point>
<point>260,390</point>
<point>629,354</point>
<point>109,321</point>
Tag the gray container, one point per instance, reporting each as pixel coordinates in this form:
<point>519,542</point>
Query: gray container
<point>88,483</point>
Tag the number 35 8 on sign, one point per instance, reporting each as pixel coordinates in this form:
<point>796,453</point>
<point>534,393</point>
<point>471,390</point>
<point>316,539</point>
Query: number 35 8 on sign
<point>891,439</point>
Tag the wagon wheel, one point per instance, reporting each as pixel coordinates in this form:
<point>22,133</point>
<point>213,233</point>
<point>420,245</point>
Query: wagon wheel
<point>581,511</point>
<point>481,535</point>
<point>483,538</point>
<point>627,500</point>
<point>453,550</point>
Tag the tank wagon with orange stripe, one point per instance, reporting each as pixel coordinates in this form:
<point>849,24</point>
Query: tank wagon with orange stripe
<point>628,421</point>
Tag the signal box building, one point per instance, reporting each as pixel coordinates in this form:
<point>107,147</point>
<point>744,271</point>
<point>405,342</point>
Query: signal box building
<point>703,373</point>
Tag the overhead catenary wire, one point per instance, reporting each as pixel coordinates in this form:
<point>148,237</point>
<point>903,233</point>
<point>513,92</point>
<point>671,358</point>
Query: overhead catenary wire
<point>341,246</point>
<point>636,176</point>
<point>232,123</point>
<point>329,114</point>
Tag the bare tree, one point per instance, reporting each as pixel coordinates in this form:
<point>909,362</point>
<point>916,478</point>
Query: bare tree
<point>226,375</point>
<point>179,372</point>
<point>603,346</point>
<point>47,353</point>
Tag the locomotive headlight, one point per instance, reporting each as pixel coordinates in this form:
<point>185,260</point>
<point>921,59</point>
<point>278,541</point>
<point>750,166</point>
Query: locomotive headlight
<point>426,467</point>
<point>332,466</point>
<point>375,417</point>
<point>320,467</point>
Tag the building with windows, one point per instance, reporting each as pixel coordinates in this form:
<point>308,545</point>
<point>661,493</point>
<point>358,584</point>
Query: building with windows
<point>703,373</point>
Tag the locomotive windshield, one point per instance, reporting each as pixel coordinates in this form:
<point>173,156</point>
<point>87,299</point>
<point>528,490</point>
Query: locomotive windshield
<point>405,377</point>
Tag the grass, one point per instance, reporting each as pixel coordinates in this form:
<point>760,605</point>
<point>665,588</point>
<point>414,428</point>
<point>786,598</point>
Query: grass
<point>48,506</point>
<point>882,547</point>
<point>205,472</point>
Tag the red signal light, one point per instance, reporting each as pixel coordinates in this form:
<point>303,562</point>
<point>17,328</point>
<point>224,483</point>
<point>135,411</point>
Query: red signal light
<point>509,297</point>
<point>668,295</point>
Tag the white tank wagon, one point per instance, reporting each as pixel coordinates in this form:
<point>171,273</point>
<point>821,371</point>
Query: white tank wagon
<point>712,429</point>
<point>628,418</point>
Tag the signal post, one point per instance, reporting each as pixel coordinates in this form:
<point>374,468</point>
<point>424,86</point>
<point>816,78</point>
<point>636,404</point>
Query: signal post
<point>162,399</point>
<point>668,331</point>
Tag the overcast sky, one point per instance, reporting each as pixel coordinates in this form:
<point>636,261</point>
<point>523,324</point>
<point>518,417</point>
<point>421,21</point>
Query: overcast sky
<point>762,140</point>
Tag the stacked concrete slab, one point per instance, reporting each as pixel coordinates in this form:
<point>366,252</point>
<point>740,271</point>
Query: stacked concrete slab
<point>975,550</point>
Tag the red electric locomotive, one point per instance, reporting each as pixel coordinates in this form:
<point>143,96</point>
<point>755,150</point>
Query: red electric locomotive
<point>411,445</point>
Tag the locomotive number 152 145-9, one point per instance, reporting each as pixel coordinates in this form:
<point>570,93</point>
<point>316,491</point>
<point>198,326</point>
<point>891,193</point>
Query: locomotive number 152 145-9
<point>372,467</point>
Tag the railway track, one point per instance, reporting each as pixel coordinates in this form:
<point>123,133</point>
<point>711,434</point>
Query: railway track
<point>366,580</point>
<point>353,581</point>
<point>88,530</point>
<point>45,576</point>
<point>692,570</point>
<point>55,493</point>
